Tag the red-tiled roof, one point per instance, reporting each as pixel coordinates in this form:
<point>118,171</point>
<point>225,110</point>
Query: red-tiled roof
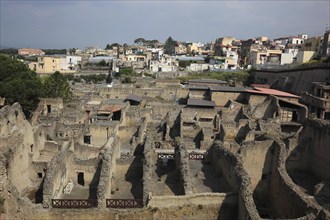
<point>274,92</point>
<point>110,108</point>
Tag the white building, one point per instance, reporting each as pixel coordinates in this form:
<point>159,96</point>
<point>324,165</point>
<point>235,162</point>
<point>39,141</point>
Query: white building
<point>73,62</point>
<point>286,58</point>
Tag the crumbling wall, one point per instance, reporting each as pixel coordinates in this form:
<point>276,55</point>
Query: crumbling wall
<point>226,199</point>
<point>257,159</point>
<point>85,152</point>
<point>56,177</point>
<point>18,135</point>
<point>182,162</point>
<point>109,157</point>
<point>148,168</point>
<point>231,167</point>
<point>318,132</point>
<point>269,108</point>
<point>288,201</point>
<point>142,131</point>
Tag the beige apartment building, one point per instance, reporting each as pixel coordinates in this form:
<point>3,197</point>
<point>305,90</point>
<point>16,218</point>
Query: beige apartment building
<point>51,64</point>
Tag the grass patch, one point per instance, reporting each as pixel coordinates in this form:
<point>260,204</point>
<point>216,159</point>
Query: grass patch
<point>241,76</point>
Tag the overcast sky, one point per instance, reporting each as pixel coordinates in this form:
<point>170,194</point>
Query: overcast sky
<point>66,24</point>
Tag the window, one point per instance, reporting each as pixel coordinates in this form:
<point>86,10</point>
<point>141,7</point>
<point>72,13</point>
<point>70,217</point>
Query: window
<point>49,109</point>
<point>87,139</point>
<point>40,175</point>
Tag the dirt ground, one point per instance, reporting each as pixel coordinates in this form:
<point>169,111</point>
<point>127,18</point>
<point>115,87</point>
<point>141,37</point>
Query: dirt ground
<point>128,179</point>
<point>205,179</point>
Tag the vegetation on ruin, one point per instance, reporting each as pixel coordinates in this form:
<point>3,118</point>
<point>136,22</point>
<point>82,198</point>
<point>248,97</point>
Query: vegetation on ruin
<point>239,76</point>
<point>318,60</point>
<point>127,71</point>
<point>92,78</point>
<point>127,79</point>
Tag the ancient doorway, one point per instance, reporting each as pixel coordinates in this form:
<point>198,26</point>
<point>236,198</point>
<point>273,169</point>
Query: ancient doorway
<point>81,180</point>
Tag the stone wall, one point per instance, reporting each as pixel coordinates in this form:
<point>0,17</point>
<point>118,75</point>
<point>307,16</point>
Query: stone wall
<point>85,152</point>
<point>269,108</point>
<point>182,163</point>
<point>318,132</point>
<point>18,136</point>
<point>148,168</point>
<point>257,160</point>
<point>294,80</point>
<point>226,199</point>
<point>109,157</point>
<point>56,177</point>
<point>288,201</point>
<point>231,167</point>
<point>222,98</point>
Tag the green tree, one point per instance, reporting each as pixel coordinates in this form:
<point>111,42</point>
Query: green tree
<point>19,84</point>
<point>72,51</point>
<point>169,46</point>
<point>55,86</point>
<point>110,46</point>
<point>140,41</point>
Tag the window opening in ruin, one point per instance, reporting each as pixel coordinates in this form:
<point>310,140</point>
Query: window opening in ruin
<point>40,175</point>
<point>49,109</point>
<point>294,116</point>
<point>31,146</point>
<point>116,116</point>
<point>87,139</point>
<point>80,178</point>
<point>327,116</point>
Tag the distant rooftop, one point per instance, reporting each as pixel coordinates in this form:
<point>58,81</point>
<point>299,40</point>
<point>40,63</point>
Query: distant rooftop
<point>134,98</point>
<point>214,81</point>
<point>265,91</point>
<point>227,88</point>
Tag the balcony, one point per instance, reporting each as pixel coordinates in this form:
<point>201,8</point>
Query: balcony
<point>312,100</point>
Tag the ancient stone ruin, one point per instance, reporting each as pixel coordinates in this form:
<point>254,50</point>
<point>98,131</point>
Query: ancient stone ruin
<point>156,151</point>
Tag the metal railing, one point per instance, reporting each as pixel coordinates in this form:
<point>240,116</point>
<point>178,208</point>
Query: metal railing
<point>196,156</point>
<point>124,203</point>
<point>74,203</point>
